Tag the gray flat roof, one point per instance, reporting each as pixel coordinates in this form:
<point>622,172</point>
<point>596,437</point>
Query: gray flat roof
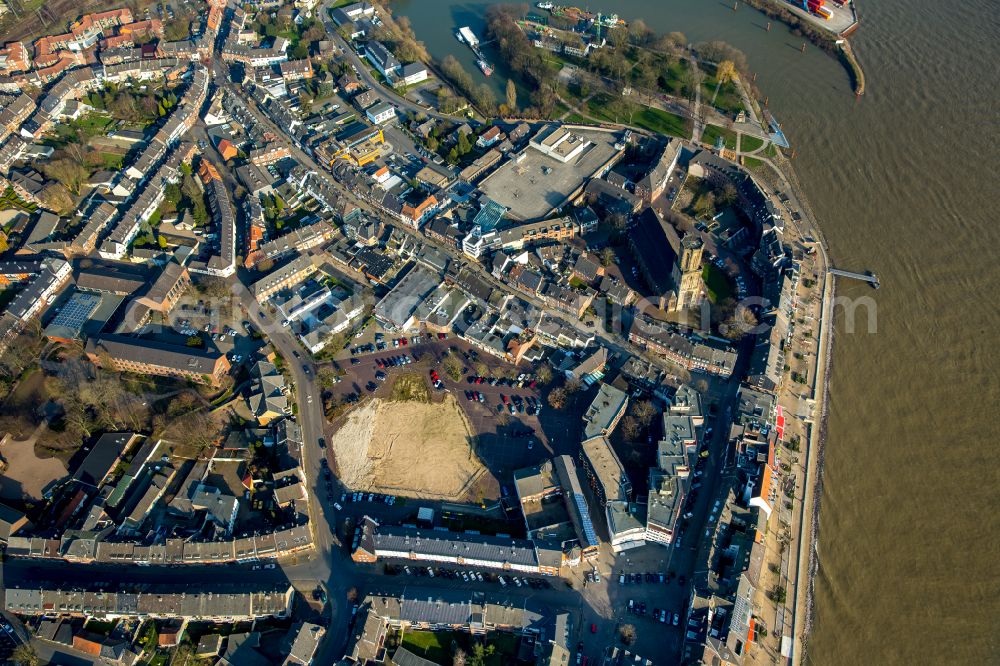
<point>530,193</point>
<point>605,408</point>
<point>606,465</point>
<point>452,544</point>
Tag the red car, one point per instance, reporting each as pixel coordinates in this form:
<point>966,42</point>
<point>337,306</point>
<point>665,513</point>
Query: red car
<point>403,341</point>
<point>593,628</point>
<point>504,398</point>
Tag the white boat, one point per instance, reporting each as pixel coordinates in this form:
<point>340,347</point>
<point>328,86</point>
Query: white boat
<point>458,36</point>
<point>544,5</point>
<point>469,37</point>
<point>486,67</point>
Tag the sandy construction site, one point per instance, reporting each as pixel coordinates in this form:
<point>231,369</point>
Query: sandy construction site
<point>413,449</point>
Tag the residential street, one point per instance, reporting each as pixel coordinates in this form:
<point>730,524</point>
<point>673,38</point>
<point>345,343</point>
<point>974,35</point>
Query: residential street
<point>506,440</point>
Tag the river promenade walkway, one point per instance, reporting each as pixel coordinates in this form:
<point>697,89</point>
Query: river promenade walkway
<point>805,407</point>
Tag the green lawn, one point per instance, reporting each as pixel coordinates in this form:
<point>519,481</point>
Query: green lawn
<point>752,162</point>
<point>712,133</point>
<point>432,645</point>
<point>576,119</point>
<point>597,106</point>
<point>656,120</point>
<point>560,110</point>
<point>729,99</point>
<point>111,161</point>
<point>84,127</point>
<point>436,646</point>
<point>716,282</point>
<point>648,118</point>
<point>159,659</point>
<point>750,143</point>
<point>771,150</point>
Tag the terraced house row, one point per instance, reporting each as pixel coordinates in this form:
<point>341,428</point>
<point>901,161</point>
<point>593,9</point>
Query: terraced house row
<point>191,602</point>
<point>80,546</point>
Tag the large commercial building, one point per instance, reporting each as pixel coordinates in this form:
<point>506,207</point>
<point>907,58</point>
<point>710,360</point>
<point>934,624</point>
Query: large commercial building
<point>669,480</point>
<point>552,171</point>
<point>576,505</point>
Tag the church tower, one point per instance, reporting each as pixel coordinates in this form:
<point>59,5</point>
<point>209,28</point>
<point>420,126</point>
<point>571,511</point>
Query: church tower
<point>690,291</point>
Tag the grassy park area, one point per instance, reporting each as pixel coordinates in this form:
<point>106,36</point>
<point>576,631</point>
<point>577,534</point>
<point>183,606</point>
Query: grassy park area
<point>713,133</point>
<point>750,143</point>
<point>604,107</point>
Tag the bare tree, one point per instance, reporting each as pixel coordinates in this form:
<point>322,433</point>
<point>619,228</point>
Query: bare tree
<point>607,256</point>
<point>557,398</point>
<point>326,377</point>
<point>618,37</point>
<point>630,427</point>
<point>24,655</point>
<point>691,79</point>
<point>627,634</point>
<point>644,411</point>
<point>56,197</point>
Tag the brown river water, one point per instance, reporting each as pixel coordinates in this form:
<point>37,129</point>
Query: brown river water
<point>904,183</point>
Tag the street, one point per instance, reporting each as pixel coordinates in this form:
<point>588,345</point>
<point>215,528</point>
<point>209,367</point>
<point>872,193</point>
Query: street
<point>660,577</point>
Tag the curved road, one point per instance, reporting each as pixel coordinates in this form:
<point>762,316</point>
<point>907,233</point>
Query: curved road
<point>365,74</point>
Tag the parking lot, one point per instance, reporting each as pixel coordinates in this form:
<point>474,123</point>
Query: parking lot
<point>503,445</point>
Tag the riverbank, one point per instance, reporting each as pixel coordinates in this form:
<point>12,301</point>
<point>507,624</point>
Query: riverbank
<point>807,562</point>
<point>810,422</point>
<point>823,39</point>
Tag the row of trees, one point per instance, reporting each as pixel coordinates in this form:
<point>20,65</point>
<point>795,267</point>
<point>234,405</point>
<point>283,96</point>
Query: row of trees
<point>397,34</point>
<point>480,94</point>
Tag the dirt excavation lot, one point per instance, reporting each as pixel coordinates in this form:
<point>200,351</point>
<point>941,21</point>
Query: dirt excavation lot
<point>413,449</point>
